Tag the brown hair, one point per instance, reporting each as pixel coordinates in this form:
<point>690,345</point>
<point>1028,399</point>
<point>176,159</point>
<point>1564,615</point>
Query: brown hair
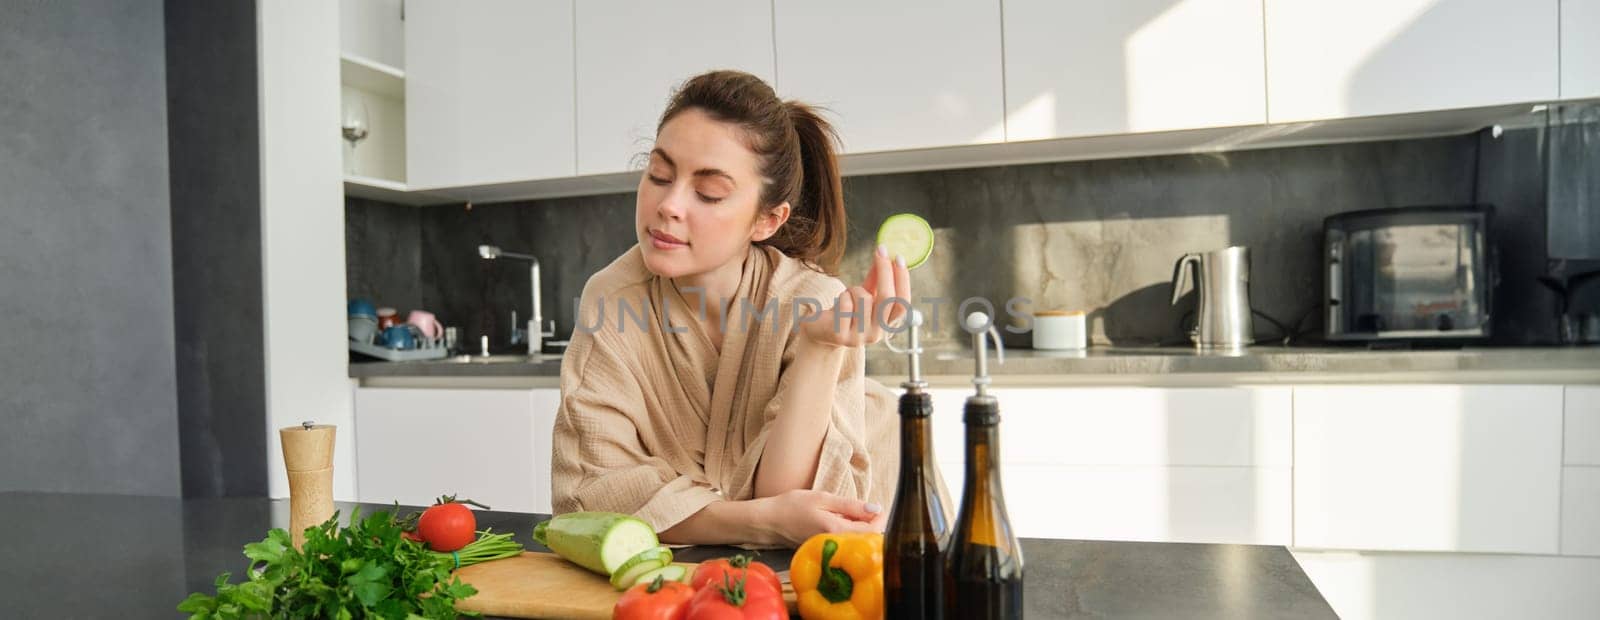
<point>796,149</point>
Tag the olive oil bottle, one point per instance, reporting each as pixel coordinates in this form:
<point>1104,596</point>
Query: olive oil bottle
<point>983,574</point>
<point>919,522</point>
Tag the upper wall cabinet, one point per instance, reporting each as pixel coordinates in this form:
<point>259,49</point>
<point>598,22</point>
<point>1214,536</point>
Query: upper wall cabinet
<point>897,74</point>
<point>1343,58</point>
<point>633,53</point>
<point>488,91</point>
<point>1090,67</point>
<point>1580,48</point>
<point>371,29</point>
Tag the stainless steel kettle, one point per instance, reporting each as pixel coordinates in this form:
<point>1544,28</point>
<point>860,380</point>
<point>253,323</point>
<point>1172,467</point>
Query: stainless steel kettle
<point>1222,277</point>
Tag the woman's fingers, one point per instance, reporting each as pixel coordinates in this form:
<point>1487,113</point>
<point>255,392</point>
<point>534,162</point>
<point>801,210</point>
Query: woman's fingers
<point>871,281</point>
<point>838,326</point>
<point>845,525</point>
<point>882,290</point>
<point>902,287</point>
<point>850,508</point>
<point>860,327</point>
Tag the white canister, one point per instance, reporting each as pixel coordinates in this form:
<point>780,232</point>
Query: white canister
<point>1060,330</point>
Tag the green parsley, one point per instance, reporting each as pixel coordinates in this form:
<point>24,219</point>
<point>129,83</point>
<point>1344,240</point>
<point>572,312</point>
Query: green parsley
<point>367,570</point>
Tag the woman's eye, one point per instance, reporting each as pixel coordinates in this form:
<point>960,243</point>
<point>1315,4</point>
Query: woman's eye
<point>710,199</point>
<point>657,180</point>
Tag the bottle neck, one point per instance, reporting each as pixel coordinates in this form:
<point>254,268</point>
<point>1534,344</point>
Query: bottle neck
<point>916,432</point>
<point>983,466</point>
<point>982,419</point>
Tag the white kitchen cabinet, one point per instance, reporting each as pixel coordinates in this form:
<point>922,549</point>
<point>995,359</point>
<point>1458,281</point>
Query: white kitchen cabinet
<point>624,77</point>
<point>1453,586</point>
<point>1088,67</point>
<point>1473,468</point>
<point>1580,49</point>
<point>896,74</point>
<point>373,30</point>
<point>1345,58</point>
<point>1236,505</point>
<point>1581,426</point>
<point>1158,464</point>
<point>489,92</point>
<point>489,445</point>
<point>1580,511</point>
<point>1208,427</point>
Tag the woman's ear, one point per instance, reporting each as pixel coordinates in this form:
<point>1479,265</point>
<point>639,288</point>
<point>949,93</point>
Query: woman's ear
<point>768,223</point>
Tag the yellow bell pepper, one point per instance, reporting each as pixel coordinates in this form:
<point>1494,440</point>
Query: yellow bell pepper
<point>839,577</point>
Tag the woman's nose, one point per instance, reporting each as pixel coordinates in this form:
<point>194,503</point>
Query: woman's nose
<point>671,205</point>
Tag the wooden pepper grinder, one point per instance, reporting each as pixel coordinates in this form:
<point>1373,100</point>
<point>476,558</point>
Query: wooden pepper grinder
<point>308,457</point>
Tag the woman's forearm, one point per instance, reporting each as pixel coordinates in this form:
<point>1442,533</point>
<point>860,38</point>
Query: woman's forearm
<point>725,523</point>
<point>789,460</point>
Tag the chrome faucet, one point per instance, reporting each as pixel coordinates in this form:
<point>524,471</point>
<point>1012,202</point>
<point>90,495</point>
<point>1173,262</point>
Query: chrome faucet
<point>533,334</point>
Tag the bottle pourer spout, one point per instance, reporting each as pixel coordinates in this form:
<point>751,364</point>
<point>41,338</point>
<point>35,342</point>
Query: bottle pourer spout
<point>913,351</point>
<point>982,329</point>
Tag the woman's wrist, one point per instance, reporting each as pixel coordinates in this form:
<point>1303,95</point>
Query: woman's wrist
<point>728,522</point>
<point>810,350</point>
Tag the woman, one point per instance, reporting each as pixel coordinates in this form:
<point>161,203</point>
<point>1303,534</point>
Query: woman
<point>698,392</point>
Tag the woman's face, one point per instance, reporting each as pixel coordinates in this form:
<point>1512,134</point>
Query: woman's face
<point>698,199</point>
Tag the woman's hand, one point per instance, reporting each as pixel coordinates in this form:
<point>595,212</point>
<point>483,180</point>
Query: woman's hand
<point>795,516</point>
<point>867,308</point>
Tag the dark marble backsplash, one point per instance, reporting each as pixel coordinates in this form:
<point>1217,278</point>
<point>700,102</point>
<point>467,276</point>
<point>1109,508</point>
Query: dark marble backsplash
<point>1098,236</point>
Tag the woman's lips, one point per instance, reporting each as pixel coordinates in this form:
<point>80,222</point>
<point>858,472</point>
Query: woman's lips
<point>664,241</point>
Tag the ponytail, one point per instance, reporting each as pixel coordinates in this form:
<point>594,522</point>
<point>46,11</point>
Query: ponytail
<point>820,238</point>
<point>796,148</point>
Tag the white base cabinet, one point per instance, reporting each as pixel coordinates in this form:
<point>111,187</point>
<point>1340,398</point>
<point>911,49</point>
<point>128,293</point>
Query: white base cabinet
<point>1473,468</point>
<point>1154,464</point>
<point>489,445</point>
<point>1454,586</point>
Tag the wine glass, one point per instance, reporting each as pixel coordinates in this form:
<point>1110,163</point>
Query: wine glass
<point>354,128</point>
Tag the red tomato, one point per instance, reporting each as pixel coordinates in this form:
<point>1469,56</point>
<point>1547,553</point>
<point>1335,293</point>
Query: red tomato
<point>736,568</point>
<point>719,602</point>
<point>658,600</point>
<point>447,527</point>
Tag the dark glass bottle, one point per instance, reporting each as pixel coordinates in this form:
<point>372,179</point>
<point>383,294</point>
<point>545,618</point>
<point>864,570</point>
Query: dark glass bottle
<point>919,526</point>
<point>983,577</point>
<point>919,522</point>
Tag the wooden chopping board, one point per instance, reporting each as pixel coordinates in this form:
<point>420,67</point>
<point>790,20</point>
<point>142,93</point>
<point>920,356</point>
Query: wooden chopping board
<point>542,585</point>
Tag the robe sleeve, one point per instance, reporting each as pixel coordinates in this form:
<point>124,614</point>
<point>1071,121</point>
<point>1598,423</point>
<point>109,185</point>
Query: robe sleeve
<point>847,458</point>
<point>598,461</point>
<point>845,464</point>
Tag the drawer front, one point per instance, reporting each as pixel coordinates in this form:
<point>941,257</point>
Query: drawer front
<point>1582,425</point>
<point>1428,468</point>
<point>1242,505</point>
<point>1240,427</point>
<point>1580,511</point>
<point>492,446</point>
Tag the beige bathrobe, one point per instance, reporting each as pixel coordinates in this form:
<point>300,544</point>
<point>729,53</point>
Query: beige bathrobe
<point>653,422</point>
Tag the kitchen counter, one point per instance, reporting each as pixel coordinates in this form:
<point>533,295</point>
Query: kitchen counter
<point>102,556</point>
<point>1177,366</point>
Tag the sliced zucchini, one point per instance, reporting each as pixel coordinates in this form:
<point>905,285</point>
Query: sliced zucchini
<point>670,572</point>
<point>598,541</point>
<point>646,561</point>
<point>908,236</point>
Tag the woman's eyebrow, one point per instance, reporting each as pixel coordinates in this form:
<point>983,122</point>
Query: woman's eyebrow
<point>703,172</point>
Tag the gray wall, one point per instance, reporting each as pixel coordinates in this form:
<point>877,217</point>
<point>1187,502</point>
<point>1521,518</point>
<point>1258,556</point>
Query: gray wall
<point>1100,236</point>
<point>86,379</point>
<point>216,246</point>
<point>383,253</point>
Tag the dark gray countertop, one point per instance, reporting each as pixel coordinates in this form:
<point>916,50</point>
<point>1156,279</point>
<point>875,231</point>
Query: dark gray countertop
<point>105,556</point>
<point>1148,365</point>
